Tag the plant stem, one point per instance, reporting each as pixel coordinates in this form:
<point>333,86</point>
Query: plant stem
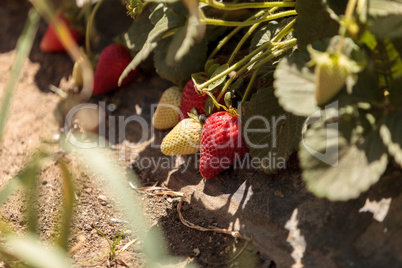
<point>220,5</point>
<point>231,34</point>
<point>250,85</point>
<point>245,37</point>
<point>350,8</point>
<point>281,34</point>
<point>234,66</point>
<point>218,22</point>
<point>284,48</point>
<point>286,30</point>
<point>267,55</point>
<point>89,28</point>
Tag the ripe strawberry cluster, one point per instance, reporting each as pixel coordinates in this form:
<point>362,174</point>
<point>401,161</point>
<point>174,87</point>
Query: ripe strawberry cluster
<point>112,60</point>
<point>219,139</point>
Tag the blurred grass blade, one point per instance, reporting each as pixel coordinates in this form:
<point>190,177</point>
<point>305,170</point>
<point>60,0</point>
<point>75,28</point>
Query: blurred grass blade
<point>24,46</point>
<point>106,168</point>
<point>9,189</point>
<point>31,252</point>
<point>30,180</point>
<point>68,186</point>
<point>30,171</point>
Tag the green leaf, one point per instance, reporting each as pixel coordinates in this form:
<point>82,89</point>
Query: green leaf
<point>337,168</point>
<point>264,35</point>
<point>391,134</point>
<point>385,7</point>
<point>168,22</point>
<point>23,48</point>
<point>34,254</point>
<point>385,18</point>
<point>228,99</point>
<point>209,106</point>
<point>366,88</point>
<point>295,85</point>
<point>267,32</point>
<point>181,71</point>
<point>209,64</point>
<point>387,27</point>
<point>186,36</point>
<point>387,62</point>
<point>308,27</point>
<point>270,133</point>
<point>218,82</point>
<point>139,31</point>
<point>157,13</point>
<point>211,70</point>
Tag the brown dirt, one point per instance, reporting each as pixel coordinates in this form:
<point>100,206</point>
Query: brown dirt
<point>31,119</point>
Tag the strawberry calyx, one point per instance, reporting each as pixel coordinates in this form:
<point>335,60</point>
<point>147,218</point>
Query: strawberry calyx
<point>199,118</point>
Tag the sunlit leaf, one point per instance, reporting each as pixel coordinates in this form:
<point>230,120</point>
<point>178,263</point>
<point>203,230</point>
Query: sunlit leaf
<point>181,71</point>
<point>33,253</point>
<point>391,134</point>
<point>168,21</point>
<point>187,36</point>
<point>334,167</point>
<point>295,85</point>
<point>308,27</point>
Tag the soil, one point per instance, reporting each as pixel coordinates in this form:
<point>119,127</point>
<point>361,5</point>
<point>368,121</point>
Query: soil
<point>31,121</point>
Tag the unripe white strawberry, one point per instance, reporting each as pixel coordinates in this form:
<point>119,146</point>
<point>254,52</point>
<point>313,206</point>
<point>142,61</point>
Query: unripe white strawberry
<point>167,112</point>
<point>184,138</point>
<point>331,71</point>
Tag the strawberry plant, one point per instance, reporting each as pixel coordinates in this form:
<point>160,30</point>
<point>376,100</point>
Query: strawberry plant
<point>345,77</point>
<point>341,74</point>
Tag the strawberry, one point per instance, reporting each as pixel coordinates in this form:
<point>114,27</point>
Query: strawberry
<point>221,143</point>
<point>165,116</point>
<point>50,42</point>
<point>331,72</point>
<point>112,62</point>
<point>190,99</point>
<point>184,138</point>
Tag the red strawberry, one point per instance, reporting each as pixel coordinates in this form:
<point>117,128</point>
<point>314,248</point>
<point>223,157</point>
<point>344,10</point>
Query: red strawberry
<point>50,41</point>
<point>221,143</point>
<point>112,62</point>
<point>191,99</point>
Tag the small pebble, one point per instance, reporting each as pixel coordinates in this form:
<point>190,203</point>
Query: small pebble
<point>196,252</point>
<point>102,198</point>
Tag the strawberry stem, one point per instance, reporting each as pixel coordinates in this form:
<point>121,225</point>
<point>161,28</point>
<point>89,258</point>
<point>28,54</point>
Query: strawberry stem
<point>350,8</point>
<point>267,56</point>
<point>246,36</point>
<point>219,22</point>
<point>250,85</point>
<point>232,33</point>
<point>224,6</point>
<point>248,60</point>
<point>89,28</point>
